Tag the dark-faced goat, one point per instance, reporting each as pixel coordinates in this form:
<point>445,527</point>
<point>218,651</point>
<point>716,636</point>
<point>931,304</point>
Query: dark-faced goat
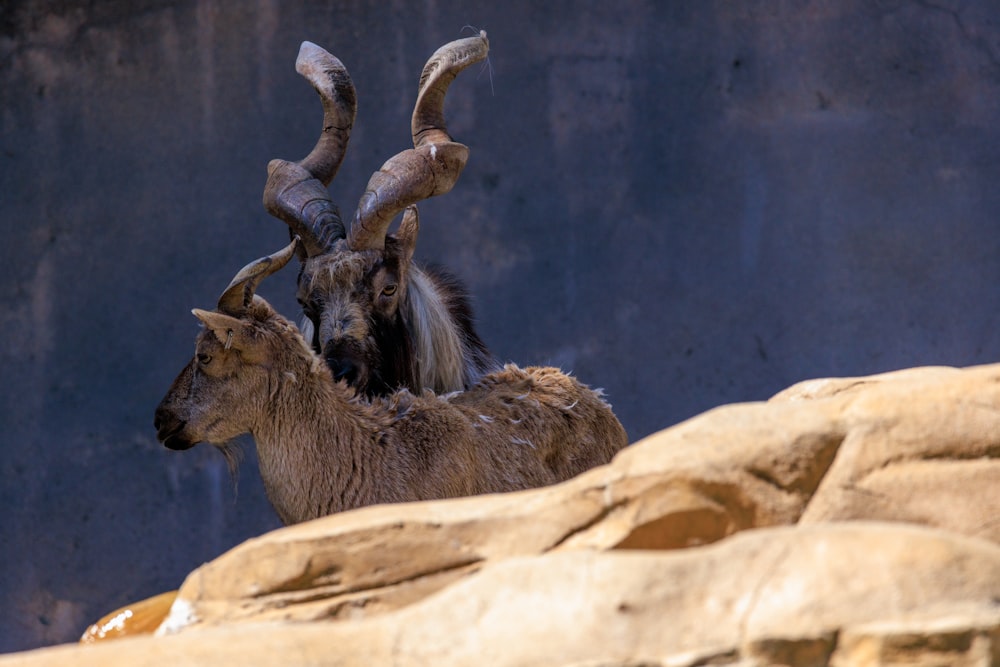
<point>323,449</point>
<point>380,321</point>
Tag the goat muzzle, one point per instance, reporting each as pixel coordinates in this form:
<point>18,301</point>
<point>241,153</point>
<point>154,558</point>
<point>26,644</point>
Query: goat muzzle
<point>169,430</point>
<point>345,364</point>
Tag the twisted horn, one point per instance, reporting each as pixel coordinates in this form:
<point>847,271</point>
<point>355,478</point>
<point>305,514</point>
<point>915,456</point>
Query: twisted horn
<point>435,162</point>
<point>296,192</point>
<point>237,297</point>
<point>427,124</point>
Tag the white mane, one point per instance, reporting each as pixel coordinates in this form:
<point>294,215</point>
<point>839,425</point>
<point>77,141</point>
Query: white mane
<point>437,343</point>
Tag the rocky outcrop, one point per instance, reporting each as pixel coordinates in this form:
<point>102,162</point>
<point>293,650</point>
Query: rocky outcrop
<point>852,521</point>
<point>839,594</point>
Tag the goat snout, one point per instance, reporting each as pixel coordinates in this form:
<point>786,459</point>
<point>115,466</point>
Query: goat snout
<point>169,429</point>
<point>343,369</point>
<point>344,364</point>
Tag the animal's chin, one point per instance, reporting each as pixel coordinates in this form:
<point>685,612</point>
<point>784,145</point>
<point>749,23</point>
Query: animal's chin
<point>178,443</point>
<point>353,375</point>
<point>174,440</point>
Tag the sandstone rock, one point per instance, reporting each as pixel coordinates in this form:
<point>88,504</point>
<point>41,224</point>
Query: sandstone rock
<point>134,619</point>
<point>829,594</point>
<point>827,387</point>
<point>920,446</point>
<point>959,637</point>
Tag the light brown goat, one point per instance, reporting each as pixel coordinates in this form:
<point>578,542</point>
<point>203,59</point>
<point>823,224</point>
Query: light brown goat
<point>323,449</point>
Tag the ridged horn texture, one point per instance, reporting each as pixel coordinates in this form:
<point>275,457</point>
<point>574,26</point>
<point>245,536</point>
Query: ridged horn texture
<point>434,164</point>
<point>296,192</point>
<point>237,297</point>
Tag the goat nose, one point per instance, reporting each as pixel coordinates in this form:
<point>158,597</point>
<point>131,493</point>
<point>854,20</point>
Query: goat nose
<point>341,362</point>
<point>343,369</point>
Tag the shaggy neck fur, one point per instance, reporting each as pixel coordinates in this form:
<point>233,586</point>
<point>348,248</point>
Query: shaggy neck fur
<point>436,343</point>
<point>298,431</point>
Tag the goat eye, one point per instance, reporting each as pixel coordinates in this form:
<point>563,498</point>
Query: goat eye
<point>204,358</point>
<point>389,290</point>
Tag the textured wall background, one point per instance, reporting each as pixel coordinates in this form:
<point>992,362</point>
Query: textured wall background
<point>687,204</point>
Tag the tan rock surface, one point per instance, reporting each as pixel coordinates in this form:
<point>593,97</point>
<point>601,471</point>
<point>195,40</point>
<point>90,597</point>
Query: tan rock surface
<point>822,594</point>
<point>920,446</point>
<point>827,387</point>
<point>134,619</point>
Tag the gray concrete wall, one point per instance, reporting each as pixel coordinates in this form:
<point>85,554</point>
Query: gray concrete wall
<point>686,203</point>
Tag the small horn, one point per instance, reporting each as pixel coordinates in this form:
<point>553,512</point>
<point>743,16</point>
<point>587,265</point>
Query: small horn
<point>296,192</point>
<point>237,297</point>
<point>433,166</point>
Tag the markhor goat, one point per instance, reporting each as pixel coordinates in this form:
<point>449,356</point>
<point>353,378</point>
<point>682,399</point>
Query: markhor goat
<point>323,449</point>
<point>380,321</point>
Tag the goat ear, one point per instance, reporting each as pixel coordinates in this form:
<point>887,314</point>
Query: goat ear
<point>227,329</point>
<point>407,235</point>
